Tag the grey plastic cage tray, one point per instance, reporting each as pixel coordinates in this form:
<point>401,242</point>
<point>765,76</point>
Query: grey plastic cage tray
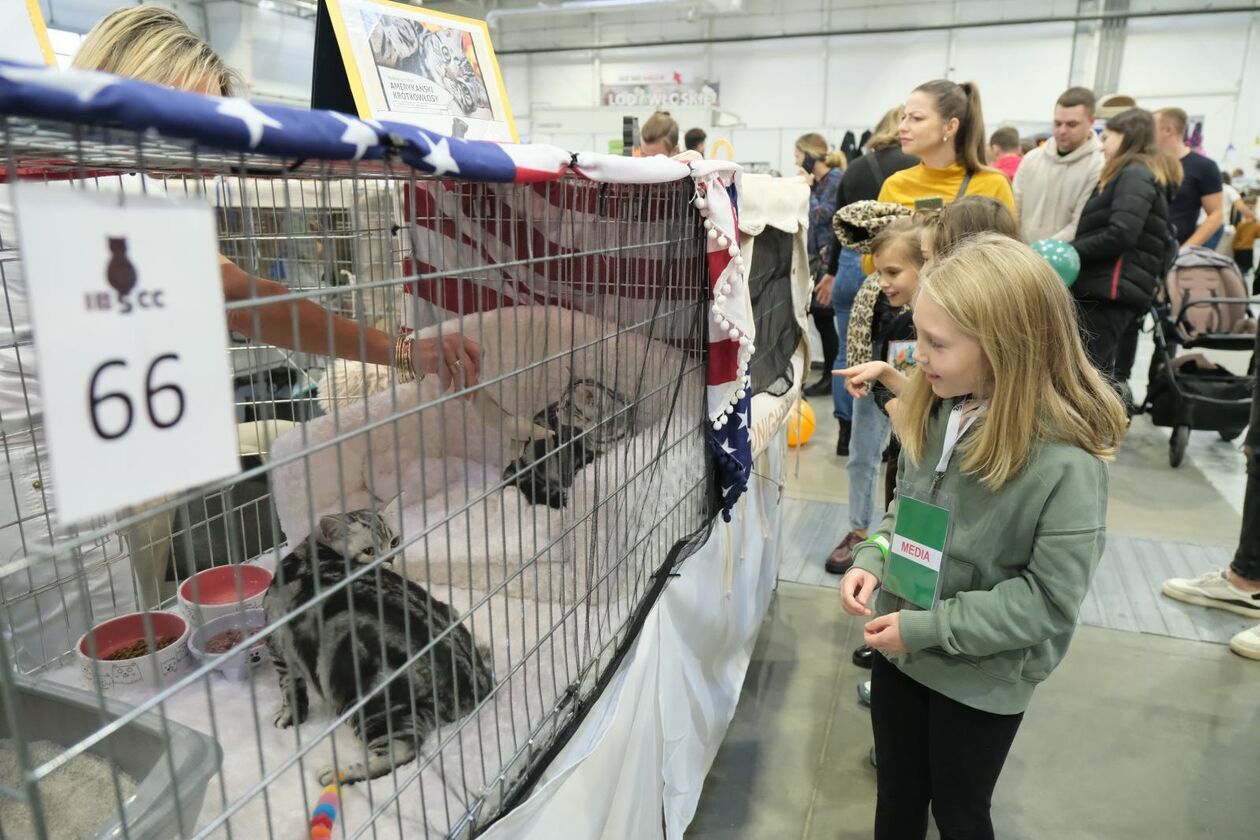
<point>63,715</point>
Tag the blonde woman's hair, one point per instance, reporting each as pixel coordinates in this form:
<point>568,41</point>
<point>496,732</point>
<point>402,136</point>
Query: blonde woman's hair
<point>153,44</point>
<point>888,132</point>
<point>1007,298</point>
<point>816,146</point>
<point>660,127</point>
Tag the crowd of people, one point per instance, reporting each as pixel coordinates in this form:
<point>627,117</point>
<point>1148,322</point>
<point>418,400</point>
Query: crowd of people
<point>1030,386</point>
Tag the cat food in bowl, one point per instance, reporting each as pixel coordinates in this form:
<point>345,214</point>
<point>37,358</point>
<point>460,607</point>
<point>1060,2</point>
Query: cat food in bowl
<point>223,590</point>
<point>226,635</point>
<point>122,653</point>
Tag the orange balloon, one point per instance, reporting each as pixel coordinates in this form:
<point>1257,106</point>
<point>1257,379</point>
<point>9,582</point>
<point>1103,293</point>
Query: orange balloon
<point>801,424</point>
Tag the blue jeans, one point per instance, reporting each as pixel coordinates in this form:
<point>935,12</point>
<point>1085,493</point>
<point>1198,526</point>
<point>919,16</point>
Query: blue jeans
<point>866,446</point>
<point>849,279</point>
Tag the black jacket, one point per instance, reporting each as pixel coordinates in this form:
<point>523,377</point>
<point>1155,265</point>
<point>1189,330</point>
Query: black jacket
<point>862,182</point>
<point>888,324</point>
<point>1124,240</point>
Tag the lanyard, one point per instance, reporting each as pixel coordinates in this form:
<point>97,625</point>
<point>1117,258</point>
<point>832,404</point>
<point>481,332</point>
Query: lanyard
<point>962,189</point>
<point>960,420</point>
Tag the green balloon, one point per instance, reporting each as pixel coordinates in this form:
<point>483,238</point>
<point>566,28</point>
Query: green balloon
<point>1062,258</point>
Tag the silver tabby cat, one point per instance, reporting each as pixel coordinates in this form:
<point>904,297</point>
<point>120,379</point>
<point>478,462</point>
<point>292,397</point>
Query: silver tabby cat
<point>392,620</point>
<point>587,420</point>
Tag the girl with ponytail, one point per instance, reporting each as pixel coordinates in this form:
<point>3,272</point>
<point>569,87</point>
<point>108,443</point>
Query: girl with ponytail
<point>944,128</point>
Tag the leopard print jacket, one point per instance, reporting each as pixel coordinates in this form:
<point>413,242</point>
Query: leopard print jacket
<point>860,319</point>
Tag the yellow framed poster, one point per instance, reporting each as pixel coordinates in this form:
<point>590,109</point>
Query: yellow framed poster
<point>26,38</point>
<point>427,68</point>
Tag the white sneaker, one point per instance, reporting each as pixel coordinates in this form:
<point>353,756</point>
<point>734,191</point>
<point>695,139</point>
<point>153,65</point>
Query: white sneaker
<point>1213,590</point>
<point>1247,643</point>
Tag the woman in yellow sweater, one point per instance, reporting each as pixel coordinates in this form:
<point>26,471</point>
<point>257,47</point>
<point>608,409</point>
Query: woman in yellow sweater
<point>944,128</point>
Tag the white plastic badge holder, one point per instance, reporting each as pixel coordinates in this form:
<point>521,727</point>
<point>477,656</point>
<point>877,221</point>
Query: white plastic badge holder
<point>126,304</point>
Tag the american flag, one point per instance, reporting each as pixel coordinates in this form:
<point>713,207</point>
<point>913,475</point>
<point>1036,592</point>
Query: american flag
<point>231,124</point>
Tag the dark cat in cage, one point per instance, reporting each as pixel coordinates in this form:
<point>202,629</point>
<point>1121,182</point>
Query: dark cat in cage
<point>392,618</point>
<point>586,421</point>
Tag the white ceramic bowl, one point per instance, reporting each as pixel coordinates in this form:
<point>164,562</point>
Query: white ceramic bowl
<point>148,670</point>
<point>223,590</point>
<point>235,666</point>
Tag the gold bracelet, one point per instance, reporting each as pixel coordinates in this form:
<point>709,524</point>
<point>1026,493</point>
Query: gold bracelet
<point>403,362</point>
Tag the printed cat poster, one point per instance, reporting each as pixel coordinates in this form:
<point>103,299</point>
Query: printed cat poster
<point>427,68</point>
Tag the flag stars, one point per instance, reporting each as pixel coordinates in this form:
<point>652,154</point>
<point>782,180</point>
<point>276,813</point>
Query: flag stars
<point>254,119</point>
<point>358,134</point>
<point>440,156</point>
<point>84,85</point>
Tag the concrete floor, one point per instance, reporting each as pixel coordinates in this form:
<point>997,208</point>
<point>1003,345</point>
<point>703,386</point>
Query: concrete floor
<point>1135,736</point>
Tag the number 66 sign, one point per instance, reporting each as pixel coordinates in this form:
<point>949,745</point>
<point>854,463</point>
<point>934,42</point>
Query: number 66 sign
<point>126,305</point>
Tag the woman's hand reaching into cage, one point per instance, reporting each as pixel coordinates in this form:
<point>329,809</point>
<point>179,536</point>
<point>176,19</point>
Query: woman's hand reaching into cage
<point>456,359</point>
<point>301,325</point>
<point>307,327</point>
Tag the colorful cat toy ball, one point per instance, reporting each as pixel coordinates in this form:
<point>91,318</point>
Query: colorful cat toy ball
<point>325,813</point>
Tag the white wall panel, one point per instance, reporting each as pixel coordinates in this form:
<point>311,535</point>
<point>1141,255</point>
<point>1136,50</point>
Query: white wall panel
<point>1021,70</point>
<point>869,74</point>
<point>563,80</point>
<point>772,83</point>
<point>1195,64</point>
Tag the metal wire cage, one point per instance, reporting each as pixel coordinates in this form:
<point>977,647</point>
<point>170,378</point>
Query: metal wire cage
<point>454,570</point>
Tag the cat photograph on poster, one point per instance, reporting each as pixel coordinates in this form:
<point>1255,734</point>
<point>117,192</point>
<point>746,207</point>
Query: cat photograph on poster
<point>427,68</point>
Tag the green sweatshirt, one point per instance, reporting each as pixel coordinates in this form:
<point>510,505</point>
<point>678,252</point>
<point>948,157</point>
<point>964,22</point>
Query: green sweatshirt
<point>1017,565</point>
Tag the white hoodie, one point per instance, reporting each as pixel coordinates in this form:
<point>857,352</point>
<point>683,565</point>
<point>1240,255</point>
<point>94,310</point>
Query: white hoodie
<point>1051,190</point>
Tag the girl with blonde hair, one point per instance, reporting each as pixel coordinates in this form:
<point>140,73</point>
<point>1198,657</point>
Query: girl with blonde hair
<point>985,556</point>
<point>934,233</point>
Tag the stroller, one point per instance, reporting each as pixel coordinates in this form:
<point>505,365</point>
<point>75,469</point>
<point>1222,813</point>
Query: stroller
<point>1202,305</point>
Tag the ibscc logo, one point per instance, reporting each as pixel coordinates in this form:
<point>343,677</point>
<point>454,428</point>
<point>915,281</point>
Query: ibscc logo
<point>121,276</point>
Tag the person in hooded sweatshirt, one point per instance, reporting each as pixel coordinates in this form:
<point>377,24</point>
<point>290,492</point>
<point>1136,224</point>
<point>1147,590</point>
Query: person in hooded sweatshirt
<point>1055,181</point>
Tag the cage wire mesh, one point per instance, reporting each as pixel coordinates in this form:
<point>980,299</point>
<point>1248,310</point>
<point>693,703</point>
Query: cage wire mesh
<point>455,570</point>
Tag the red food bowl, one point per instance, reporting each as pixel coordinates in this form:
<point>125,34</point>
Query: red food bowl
<point>115,634</point>
<point>223,590</point>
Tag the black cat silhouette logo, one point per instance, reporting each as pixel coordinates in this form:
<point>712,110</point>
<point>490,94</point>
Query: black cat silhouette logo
<point>121,274</point>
